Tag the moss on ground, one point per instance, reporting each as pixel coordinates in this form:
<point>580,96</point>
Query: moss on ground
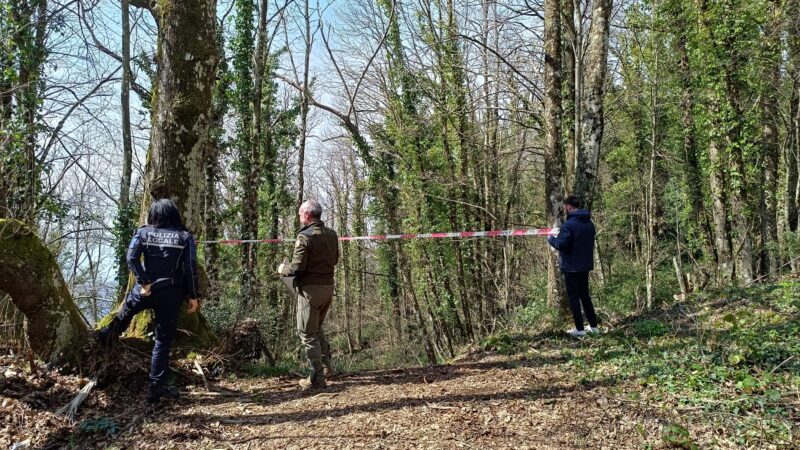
<point>725,361</point>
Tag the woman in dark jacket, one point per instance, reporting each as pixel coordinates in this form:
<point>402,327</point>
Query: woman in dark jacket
<point>162,257</point>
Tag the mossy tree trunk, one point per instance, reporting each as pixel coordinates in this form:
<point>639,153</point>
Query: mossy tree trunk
<point>554,187</point>
<point>187,62</point>
<point>24,29</point>
<point>790,194</point>
<point>32,277</point>
<point>187,59</point>
<point>771,54</point>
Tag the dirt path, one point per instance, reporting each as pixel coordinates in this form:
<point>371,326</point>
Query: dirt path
<point>488,401</point>
<point>665,380</point>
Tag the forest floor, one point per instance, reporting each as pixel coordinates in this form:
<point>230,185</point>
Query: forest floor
<point>711,372</point>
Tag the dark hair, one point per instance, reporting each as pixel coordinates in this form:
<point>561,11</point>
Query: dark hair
<point>573,201</point>
<point>163,213</point>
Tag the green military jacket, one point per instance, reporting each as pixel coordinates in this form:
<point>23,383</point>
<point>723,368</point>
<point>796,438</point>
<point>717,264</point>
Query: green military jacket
<point>316,252</point>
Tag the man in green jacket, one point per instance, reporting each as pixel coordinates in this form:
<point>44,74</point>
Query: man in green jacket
<point>316,252</point>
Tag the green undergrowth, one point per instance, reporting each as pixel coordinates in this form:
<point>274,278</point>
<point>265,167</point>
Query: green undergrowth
<point>382,356</point>
<point>727,364</point>
<point>614,299</point>
<point>260,369</point>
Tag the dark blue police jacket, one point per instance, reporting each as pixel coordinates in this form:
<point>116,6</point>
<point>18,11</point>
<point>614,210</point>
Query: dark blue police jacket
<point>575,242</point>
<point>170,258</point>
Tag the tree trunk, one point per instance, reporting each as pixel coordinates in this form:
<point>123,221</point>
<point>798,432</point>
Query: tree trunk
<point>718,162</point>
<point>458,215</point>
<point>593,120</point>
<point>301,153</point>
<point>568,65</point>
<point>28,39</point>
<point>19,63</point>
<point>273,187</point>
<point>742,243</point>
<point>210,226</point>
<point>125,219</point>
<point>552,156</point>
<point>6,89</point>
<point>693,178</point>
<point>345,272</point>
<point>360,265</point>
<point>792,160</point>
<point>793,145</point>
<point>187,63</point>
<point>651,199</point>
<point>253,177</point>
<point>575,32</point>
<point>245,57</point>
<point>601,265</point>
<point>466,146</point>
<point>127,147</point>
<point>408,287</point>
<point>273,190</point>
<point>791,152</point>
<point>768,261</point>
<point>650,202</point>
<point>31,276</point>
<point>491,187</point>
<point>722,162</point>
<point>211,157</point>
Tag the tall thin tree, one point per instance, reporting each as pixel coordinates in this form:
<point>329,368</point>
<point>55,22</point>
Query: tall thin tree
<point>553,168</point>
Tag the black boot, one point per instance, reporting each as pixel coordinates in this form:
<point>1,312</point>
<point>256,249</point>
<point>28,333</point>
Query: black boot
<point>108,335</point>
<point>158,391</point>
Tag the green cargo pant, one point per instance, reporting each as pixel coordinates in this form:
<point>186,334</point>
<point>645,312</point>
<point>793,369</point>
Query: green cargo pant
<point>313,302</point>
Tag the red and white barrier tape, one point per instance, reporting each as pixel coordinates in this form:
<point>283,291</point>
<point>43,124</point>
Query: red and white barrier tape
<point>383,237</point>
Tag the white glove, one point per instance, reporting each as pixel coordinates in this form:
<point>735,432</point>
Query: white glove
<point>281,267</point>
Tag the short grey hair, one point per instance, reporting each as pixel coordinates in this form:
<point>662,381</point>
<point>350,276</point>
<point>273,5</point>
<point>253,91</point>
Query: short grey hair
<point>313,208</point>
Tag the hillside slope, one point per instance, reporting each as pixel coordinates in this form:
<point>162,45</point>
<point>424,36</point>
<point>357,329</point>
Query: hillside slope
<point>720,372</point>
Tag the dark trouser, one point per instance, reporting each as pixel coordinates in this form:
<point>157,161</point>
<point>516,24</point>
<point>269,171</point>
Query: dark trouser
<point>165,303</point>
<point>578,293</point>
<point>313,302</point>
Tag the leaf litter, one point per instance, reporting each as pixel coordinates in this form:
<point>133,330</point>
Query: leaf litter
<point>483,401</point>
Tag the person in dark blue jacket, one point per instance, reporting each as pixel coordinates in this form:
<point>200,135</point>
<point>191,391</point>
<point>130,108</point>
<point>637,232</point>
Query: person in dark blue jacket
<point>162,257</point>
<point>575,244</point>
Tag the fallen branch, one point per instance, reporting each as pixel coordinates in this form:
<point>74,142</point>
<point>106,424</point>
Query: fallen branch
<point>326,395</point>
<point>437,406</point>
<point>605,413</point>
<point>71,408</point>
<point>199,370</point>
<point>781,364</point>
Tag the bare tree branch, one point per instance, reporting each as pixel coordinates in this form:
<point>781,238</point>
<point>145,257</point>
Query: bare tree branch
<point>532,88</point>
<point>72,108</point>
<point>143,93</point>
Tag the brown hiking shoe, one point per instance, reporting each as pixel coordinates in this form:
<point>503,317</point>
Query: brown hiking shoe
<point>306,384</point>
